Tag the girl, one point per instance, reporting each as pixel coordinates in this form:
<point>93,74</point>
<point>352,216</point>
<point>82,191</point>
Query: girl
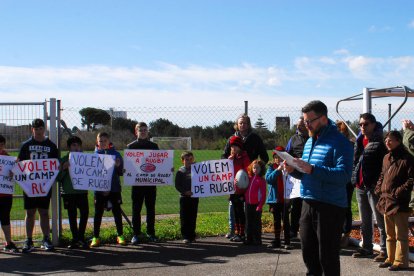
<point>255,198</point>
<point>277,204</point>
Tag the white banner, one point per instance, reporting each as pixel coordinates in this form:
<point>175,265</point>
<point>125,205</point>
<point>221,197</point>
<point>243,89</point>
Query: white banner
<point>292,186</point>
<point>212,178</point>
<point>36,177</point>
<point>148,167</point>
<point>91,171</point>
<point>6,182</point>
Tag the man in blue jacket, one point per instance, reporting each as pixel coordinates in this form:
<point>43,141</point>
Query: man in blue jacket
<point>325,169</point>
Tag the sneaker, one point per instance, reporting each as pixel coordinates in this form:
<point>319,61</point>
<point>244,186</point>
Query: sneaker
<point>186,241</point>
<point>363,253</point>
<point>73,244</point>
<point>95,242</point>
<point>120,240</point>
<point>229,235</point>
<point>397,268</point>
<point>135,240</point>
<point>237,238</point>
<point>384,265</point>
<point>11,247</point>
<point>28,246</point>
<point>152,238</point>
<point>381,257</point>
<point>83,244</point>
<point>47,244</point>
<point>288,247</point>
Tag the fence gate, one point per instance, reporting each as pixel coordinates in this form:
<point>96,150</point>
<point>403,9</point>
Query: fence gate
<point>15,126</point>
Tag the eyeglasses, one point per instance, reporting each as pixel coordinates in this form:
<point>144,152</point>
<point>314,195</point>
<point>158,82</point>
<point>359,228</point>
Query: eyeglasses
<point>308,122</point>
<point>363,124</point>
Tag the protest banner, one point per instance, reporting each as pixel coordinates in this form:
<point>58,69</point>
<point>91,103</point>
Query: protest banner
<point>212,178</point>
<point>292,186</point>
<point>148,167</point>
<point>91,171</point>
<point>36,177</point>
<point>6,181</point>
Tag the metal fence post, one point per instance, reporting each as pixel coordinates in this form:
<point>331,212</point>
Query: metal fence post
<point>55,192</point>
<point>246,107</point>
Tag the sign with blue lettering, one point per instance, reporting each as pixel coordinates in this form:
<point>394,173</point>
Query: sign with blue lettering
<point>6,181</point>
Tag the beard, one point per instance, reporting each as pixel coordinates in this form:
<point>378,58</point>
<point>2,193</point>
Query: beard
<point>314,132</point>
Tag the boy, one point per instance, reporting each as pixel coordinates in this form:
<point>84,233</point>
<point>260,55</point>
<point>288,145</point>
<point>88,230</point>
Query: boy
<point>112,199</point>
<point>74,199</point>
<point>6,202</point>
<point>141,193</point>
<point>188,204</point>
<point>37,147</point>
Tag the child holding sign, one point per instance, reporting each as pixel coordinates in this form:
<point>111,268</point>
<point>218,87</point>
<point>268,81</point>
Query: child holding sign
<point>277,203</point>
<point>74,199</point>
<point>6,202</point>
<point>188,204</point>
<point>112,199</point>
<point>240,162</point>
<point>255,198</point>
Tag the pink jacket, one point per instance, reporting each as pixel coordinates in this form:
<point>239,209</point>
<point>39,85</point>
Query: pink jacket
<point>256,192</point>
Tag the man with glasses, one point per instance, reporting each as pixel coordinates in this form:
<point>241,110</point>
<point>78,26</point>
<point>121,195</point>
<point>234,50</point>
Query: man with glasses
<point>325,169</point>
<point>141,193</point>
<point>369,151</point>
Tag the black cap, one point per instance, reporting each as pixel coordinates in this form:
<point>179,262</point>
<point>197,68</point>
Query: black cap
<point>38,123</point>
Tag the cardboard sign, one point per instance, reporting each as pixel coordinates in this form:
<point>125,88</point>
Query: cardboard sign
<point>91,171</point>
<point>212,178</point>
<point>36,177</point>
<point>292,186</point>
<point>148,167</point>
<point>6,182</point>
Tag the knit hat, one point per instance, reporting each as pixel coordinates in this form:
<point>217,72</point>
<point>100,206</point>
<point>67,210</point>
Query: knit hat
<point>278,148</point>
<point>236,141</point>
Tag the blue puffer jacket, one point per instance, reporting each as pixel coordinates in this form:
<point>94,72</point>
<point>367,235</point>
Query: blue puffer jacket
<point>118,171</point>
<point>331,155</point>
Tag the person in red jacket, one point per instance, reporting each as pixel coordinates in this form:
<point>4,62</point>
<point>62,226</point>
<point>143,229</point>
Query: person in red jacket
<point>255,197</point>
<point>240,162</point>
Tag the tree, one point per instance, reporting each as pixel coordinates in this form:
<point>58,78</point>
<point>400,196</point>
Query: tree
<point>225,129</point>
<point>94,116</point>
<point>164,127</point>
<point>260,124</point>
<point>124,124</point>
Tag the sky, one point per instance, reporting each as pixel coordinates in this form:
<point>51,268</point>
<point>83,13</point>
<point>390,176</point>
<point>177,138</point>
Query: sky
<point>129,53</point>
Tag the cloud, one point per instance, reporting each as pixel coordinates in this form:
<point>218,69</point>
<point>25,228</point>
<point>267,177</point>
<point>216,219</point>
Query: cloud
<point>379,29</point>
<point>411,24</point>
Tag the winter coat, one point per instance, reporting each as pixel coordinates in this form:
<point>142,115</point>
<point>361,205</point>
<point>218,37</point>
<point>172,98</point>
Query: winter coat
<point>240,162</point>
<point>296,144</point>
<point>252,144</point>
<point>256,192</point>
<point>118,171</point>
<point>395,182</point>
<point>408,140</point>
<point>183,180</point>
<point>369,158</point>
<point>331,157</point>
<point>275,187</point>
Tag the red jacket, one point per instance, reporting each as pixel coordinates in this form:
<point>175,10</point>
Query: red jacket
<point>256,192</point>
<point>240,161</point>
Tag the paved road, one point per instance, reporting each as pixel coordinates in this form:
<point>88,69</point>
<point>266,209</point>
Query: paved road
<point>208,256</point>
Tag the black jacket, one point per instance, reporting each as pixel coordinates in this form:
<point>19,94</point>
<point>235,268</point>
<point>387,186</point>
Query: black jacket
<point>252,144</point>
<point>296,144</point>
<point>142,144</point>
<point>369,158</point>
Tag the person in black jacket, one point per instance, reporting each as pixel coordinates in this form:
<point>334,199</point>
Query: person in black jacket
<point>252,144</point>
<point>141,193</point>
<point>369,151</point>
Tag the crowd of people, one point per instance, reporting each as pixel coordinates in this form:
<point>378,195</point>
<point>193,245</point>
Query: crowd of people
<point>329,164</point>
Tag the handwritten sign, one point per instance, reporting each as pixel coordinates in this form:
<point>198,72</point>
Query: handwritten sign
<point>91,171</point>
<point>212,178</point>
<point>148,167</point>
<point>292,186</point>
<point>6,182</point>
<point>36,177</point>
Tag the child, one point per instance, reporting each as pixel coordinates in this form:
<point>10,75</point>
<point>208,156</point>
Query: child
<point>188,204</point>
<point>74,199</point>
<point>255,198</point>
<point>277,203</point>
<point>112,199</point>
<point>240,162</point>
<point>6,202</point>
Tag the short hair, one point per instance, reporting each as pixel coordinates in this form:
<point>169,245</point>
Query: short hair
<point>103,134</point>
<point>38,123</point>
<point>73,140</point>
<point>368,116</point>
<point>141,124</point>
<point>394,134</point>
<point>316,106</point>
<point>260,163</point>
<point>2,139</point>
<point>243,116</point>
<point>185,154</point>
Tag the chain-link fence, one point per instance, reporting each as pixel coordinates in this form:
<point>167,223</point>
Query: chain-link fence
<point>208,127</point>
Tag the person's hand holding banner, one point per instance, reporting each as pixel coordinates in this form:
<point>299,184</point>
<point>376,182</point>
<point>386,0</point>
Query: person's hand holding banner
<point>6,181</point>
<point>36,177</point>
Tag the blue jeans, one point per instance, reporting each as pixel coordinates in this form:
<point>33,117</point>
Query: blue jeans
<point>367,202</point>
<point>231,217</point>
